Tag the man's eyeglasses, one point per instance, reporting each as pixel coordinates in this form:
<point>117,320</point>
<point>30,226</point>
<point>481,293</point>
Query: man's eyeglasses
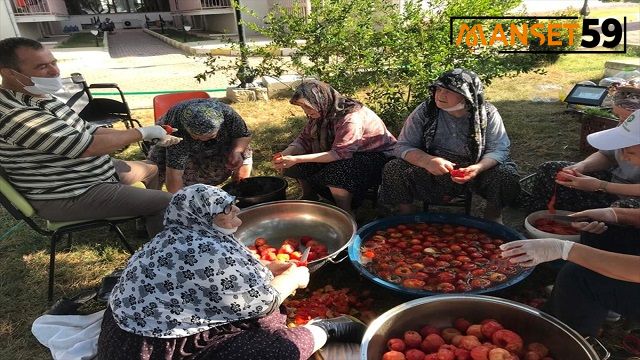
<point>229,207</point>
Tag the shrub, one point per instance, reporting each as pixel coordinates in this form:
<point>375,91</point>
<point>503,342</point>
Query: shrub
<point>392,54</point>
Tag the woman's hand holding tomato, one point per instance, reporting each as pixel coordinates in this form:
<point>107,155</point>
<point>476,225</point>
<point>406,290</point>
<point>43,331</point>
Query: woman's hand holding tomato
<point>284,161</point>
<point>438,166</point>
<point>575,180</point>
<point>234,160</point>
<point>277,267</point>
<point>464,175</point>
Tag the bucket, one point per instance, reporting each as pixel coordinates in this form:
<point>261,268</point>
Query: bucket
<point>257,190</point>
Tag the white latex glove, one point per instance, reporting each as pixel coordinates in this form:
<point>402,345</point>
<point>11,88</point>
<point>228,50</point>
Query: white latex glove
<point>600,216</point>
<point>298,275</point>
<point>535,251</point>
<point>168,141</point>
<point>149,133</point>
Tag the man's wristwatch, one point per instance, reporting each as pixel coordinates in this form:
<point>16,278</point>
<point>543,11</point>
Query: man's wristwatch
<point>603,186</point>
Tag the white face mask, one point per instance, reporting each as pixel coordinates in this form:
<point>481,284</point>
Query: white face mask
<point>460,106</point>
<point>43,85</point>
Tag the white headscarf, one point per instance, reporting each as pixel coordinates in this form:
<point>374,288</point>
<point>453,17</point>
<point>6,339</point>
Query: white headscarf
<point>191,276</point>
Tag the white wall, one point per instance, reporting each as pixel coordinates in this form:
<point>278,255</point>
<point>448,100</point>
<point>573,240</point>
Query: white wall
<point>118,18</point>
<point>8,27</point>
<point>30,30</point>
<point>260,7</point>
<point>221,23</point>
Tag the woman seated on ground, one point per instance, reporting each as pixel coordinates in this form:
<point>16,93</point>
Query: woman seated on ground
<point>454,129</point>
<point>194,291</point>
<point>343,146</point>
<point>215,145</point>
<point>612,178</point>
<point>596,280</point>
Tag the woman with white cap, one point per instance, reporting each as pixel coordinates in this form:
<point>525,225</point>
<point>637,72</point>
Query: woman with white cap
<point>603,272</point>
<point>612,178</point>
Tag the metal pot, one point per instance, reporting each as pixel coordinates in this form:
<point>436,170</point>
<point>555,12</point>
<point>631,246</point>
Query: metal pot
<point>490,227</point>
<point>257,190</point>
<point>440,311</point>
<point>278,220</point>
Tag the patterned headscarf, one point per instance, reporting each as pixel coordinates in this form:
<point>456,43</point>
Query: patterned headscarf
<point>627,95</point>
<point>197,116</point>
<point>191,277</point>
<point>331,105</point>
<point>467,84</point>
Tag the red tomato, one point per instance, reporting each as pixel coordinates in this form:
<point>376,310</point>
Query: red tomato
<point>168,129</point>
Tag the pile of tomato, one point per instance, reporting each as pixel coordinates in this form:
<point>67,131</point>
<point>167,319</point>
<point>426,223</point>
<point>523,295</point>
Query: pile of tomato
<point>327,302</point>
<point>291,249</point>
<point>437,257</point>
<point>554,227</point>
<point>486,340</point>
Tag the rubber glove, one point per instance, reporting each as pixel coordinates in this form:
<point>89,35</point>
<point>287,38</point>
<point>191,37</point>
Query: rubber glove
<point>152,132</point>
<point>168,140</point>
<point>535,251</point>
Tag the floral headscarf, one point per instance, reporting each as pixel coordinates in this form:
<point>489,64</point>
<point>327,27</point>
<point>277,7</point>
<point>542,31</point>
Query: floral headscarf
<point>467,84</point>
<point>331,105</point>
<point>191,276</point>
<point>627,95</point>
<point>197,116</point>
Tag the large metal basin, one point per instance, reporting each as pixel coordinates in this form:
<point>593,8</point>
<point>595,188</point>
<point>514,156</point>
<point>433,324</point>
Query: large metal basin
<point>279,220</point>
<point>440,311</point>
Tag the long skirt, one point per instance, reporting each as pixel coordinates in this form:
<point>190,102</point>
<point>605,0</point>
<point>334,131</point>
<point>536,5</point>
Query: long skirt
<point>267,338</point>
<point>404,183</point>
<point>544,183</point>
<point>355,175</point>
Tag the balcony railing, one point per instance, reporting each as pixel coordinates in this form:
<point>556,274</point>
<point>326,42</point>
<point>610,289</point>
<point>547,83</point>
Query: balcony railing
<point>30,7</point>
<point>214,4</point>
<point>299,7</point>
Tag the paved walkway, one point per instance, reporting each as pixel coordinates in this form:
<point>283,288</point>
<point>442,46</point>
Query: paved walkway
<point>134,42</point>
<point>138,63</point>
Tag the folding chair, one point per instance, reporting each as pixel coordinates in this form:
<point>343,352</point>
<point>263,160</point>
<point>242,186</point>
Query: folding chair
<point>162,103</point>
<point>98,111</point>
<point>21,210</point>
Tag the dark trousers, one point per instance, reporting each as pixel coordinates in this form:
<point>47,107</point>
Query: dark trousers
<point>582,298</point>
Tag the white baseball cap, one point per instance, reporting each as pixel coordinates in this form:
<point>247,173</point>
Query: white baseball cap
<point>622,136</point>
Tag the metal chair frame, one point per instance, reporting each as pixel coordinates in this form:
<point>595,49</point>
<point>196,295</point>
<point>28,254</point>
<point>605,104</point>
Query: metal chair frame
<point>57,234</point>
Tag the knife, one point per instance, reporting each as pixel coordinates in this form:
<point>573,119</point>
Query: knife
<point>567,218</point>
<point>570,219</point>
<point>304,257</point>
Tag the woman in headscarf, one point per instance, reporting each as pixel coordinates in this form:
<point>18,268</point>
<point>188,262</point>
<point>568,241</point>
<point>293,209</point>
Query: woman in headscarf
<point>215,145</point>
<point>612,179</point>
<point>455,129</point>
<point>343,146</point>
<point>195,292</point>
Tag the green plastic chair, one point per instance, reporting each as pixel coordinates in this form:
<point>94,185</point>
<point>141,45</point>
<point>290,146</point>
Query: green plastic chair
<point>21,210</point>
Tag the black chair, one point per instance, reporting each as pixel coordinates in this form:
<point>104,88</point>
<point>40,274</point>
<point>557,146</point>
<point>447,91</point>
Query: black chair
<point>103,112</point>
<point>20,208</point>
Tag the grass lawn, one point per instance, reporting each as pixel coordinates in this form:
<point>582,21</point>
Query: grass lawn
<point>179,35</point>
<point>539,131</point>
<point>81,39</point>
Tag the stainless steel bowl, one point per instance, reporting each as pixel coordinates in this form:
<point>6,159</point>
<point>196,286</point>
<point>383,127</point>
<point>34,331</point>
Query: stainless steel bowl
<point>278,220</point>
<point>440,311</point>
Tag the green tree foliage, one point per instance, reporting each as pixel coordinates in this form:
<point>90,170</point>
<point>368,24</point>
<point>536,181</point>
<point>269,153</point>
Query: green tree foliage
<point>392,54</point>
